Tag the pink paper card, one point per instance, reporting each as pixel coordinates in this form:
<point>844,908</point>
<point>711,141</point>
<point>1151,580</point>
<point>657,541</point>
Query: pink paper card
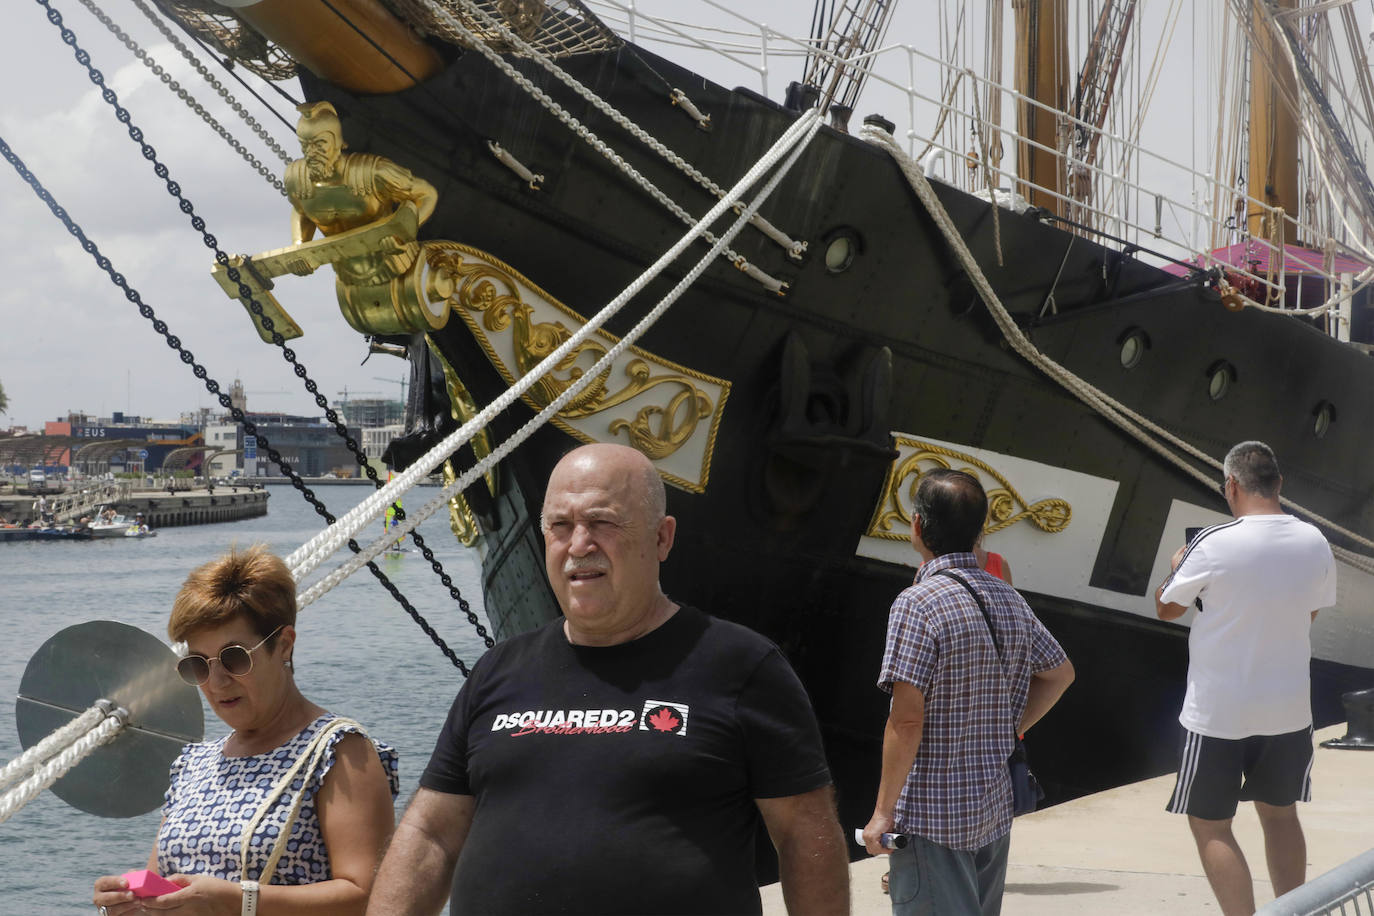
<point>145,883</point>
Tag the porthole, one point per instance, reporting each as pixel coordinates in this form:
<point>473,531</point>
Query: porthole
<point>1219,379</point>
<point>839,254</point>
<point>1134,343</point>
<point>1322,417</point>
<point>842,246</point>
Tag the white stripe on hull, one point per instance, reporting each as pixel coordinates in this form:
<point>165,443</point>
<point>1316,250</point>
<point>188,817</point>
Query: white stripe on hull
<point>1060,564</point>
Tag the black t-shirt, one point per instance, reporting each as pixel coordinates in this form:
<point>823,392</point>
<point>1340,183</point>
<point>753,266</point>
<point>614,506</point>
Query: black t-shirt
<point>621,779</point>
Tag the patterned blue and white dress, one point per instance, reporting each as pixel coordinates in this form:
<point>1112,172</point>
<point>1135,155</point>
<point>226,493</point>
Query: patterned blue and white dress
<point>213,797</point>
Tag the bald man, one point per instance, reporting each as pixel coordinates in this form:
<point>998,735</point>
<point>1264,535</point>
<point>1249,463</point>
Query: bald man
<point>618,760</point>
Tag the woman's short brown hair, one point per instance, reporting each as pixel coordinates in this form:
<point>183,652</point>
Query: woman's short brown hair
<point>252,583</point>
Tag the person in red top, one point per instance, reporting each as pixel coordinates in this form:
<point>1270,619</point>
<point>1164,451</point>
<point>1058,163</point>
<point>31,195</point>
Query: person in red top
<point>993,563</point>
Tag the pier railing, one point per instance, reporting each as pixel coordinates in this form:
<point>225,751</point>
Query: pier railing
<point>88,495</point>
<point>1345,889</point>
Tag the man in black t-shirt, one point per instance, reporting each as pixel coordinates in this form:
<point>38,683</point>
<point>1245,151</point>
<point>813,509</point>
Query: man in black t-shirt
<point>619,760</point>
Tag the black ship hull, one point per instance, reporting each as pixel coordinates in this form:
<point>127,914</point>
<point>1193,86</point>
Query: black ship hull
<point>825,380</point>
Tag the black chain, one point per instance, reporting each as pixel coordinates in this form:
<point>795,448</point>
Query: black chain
<point>123,116</point>
<point>212,386</point>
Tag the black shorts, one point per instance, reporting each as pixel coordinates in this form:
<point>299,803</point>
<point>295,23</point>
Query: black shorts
<point>1277,770</point>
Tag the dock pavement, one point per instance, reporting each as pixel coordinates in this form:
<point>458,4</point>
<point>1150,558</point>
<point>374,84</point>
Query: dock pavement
<point>1120,852</point>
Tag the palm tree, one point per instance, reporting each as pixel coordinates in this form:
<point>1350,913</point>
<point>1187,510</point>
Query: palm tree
<point>4,399</point>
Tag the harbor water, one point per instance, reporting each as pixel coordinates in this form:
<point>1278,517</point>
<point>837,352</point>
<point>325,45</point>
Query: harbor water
<point>358,653</point>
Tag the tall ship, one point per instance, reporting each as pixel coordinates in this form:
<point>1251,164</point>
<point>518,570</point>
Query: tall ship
<point>956,266</point>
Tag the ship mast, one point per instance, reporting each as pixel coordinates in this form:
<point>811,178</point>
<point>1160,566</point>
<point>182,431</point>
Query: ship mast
<point>1042,74</point>
<point>1093,99</point>
<point>1272,176</point>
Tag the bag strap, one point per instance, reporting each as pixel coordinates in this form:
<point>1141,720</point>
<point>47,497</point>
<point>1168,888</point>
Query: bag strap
<point>987,618</point>
<point>307,761</point>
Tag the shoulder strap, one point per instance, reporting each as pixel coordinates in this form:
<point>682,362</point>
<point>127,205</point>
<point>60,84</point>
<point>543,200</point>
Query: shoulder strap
<point>307,761</point>
<point>987,618</point>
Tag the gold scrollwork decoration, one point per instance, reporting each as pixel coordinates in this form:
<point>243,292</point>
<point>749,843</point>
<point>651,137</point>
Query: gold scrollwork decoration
<point>892,517</point>
<point>488,297</point>
<point>462,407</point>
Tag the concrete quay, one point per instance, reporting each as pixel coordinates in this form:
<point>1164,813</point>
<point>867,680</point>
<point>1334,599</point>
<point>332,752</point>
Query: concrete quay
<point>161,509</point>
<point>1120,852</point>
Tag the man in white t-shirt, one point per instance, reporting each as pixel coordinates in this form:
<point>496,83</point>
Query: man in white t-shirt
<point>1258,580</point>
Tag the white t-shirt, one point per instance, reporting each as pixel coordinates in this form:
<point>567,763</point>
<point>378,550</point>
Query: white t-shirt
<point>1260,577</point>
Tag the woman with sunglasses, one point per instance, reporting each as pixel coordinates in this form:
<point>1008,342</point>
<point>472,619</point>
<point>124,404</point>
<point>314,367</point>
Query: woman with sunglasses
<point>237,617</point>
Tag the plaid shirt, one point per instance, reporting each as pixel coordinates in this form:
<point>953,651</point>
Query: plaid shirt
<point>958,793</point>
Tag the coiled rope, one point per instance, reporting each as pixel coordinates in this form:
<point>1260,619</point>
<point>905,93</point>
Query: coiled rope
<point>313,553</point>
<point>1141,428</point>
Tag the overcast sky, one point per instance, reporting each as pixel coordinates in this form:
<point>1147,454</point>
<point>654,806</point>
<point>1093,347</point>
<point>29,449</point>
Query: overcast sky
<point>70,341</point>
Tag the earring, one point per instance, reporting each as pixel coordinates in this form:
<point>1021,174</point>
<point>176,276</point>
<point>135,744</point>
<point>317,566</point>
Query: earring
<point>290,665</point>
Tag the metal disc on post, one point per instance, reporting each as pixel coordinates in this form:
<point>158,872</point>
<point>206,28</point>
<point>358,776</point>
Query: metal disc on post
<point>103,659</point>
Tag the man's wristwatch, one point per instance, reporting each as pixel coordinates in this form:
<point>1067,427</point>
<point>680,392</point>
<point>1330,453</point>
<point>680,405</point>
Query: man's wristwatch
<point>250,898</point>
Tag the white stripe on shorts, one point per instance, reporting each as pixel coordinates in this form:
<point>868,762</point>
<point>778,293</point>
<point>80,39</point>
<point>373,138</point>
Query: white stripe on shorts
<point>1187,772</point>
<point>1307,774</point>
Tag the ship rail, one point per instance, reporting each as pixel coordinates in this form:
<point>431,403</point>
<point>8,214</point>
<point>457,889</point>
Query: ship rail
<point>1346,889</point>
<point>1161,208</point>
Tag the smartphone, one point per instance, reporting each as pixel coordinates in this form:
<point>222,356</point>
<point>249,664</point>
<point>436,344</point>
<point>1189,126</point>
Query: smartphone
<point>1190,534</point>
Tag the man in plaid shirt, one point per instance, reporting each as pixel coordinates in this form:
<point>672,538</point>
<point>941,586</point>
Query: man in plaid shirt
<point>957,705</point>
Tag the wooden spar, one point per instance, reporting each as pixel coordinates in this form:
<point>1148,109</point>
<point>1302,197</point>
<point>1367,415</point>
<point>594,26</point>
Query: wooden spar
<point>1042,73</point>
<point>1273,168</point>
<point>327,43</point>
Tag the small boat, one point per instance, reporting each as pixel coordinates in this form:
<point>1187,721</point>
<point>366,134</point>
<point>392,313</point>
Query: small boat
<point>110,525</point>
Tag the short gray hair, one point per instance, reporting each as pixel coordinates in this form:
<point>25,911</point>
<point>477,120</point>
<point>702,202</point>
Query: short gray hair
<point>1254,467</point>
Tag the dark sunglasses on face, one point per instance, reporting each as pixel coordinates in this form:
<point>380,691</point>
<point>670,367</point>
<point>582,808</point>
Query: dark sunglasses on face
<point>236,660</point>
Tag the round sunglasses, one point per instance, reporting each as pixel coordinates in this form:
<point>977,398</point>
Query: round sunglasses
<point>236,661</point>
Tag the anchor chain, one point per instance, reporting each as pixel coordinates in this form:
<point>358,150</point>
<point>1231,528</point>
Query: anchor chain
<point>198,223</point>
<point>212,386</point>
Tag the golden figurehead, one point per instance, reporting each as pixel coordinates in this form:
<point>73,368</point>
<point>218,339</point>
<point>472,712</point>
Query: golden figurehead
<point>368,210</point>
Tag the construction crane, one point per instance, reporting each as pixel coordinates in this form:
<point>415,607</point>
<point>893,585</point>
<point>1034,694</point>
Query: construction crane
<point>403,380</point>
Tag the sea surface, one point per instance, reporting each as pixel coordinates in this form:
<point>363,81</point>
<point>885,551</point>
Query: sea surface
<point>358,653</point>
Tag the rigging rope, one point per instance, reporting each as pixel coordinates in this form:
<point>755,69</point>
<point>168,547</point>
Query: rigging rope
<point>1144,430</point>
<point>211,385</point>
<point>198,223</point>
<point>215,84</point>
<point>109,725</point>
<point>312,554</point>
<point>59,740</point>
<point>525,49</point>
<point>190,100</point>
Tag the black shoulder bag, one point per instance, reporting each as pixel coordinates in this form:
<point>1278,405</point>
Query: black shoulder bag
<point>1026,793</point>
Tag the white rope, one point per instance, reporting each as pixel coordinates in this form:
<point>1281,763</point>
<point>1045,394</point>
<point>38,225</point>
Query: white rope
<point>525,49</point>
<point>1139,427</point>
<point>57,767</point>
<point>313,553</point>
<point>378,546</point>
<point>1361,280</point>
<point>25,763</point>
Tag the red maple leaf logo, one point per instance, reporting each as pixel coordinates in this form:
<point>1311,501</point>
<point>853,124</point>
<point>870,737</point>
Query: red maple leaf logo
<point>664,720</point>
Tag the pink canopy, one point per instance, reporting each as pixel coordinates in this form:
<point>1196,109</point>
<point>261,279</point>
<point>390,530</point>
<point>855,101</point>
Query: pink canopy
<point>1254,257</point>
